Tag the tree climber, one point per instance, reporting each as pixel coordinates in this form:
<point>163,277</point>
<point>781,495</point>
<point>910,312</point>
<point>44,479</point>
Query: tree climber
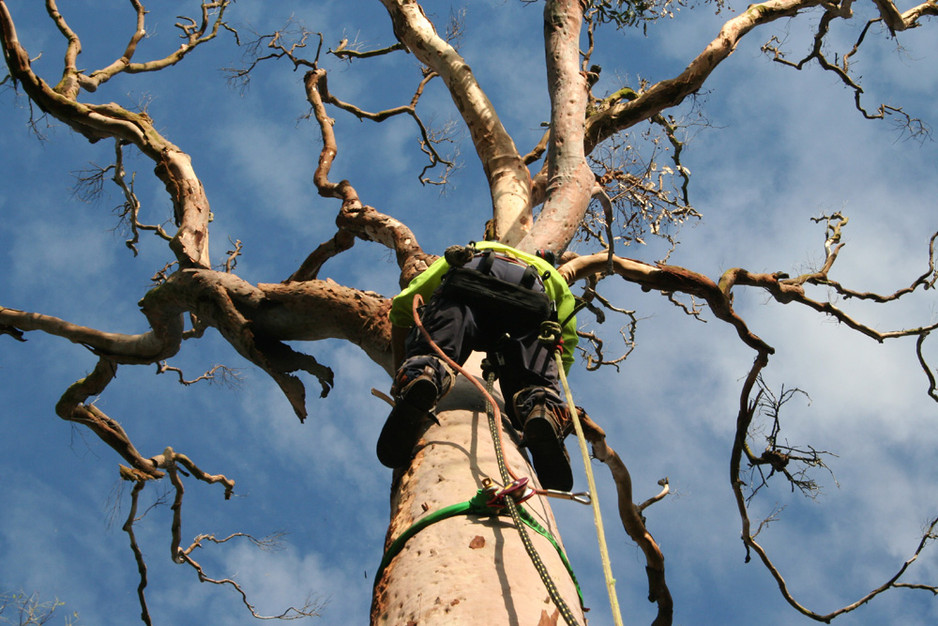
<point>491,298</point>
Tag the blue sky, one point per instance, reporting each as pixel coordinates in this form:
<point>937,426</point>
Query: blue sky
<point>782,147</point>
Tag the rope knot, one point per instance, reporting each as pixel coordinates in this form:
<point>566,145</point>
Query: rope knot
<point>551,334</point>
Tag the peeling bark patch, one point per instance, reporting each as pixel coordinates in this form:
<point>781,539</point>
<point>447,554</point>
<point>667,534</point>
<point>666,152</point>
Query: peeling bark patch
<point>548,620</point>
<point>477,542</point>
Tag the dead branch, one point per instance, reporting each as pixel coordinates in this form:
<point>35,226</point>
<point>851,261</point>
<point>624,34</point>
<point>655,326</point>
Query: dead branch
<point>193,33</point>
<point>744,419</point>
<point>171,461</point>
<point>344,51</point>
<point>72,407</point>
<point>429,140</point>
<point>665,490</point>
<point>894,21</point>
<point>362,221</point>
<point>131,207</point>
<point>289,41</point>
<point>227,374</point>
<point>309,608</point>
<point>780,457</point>
<point>161,342</point>
<point>784,289</point>
<point>667,279</point>
<point>625,113</point>
<point>632,519</point>
<point>100,121</point>
<point>595,358</point>
<point>309,269</point>
<point>90,186</point>
<point>832,247</point>
<point>231,261</point>
<point>138,554</point>
<point>284,43</point>
<point>925,367</point>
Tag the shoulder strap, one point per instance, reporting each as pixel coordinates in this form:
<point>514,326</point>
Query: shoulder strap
<point>529,276</point>
<point>488,258</point>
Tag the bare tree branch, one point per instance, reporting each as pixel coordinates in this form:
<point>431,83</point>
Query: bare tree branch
<point>99,121</point>
<point>632,519</point>
<point>508,177</point>
<point>671,92</point>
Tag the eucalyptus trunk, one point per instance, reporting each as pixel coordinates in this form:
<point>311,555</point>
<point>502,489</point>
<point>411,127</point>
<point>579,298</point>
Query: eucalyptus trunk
<point>466,569</point>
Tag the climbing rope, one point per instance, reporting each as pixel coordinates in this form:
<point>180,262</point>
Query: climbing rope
<point>551,333</point>
<point>491,410</point>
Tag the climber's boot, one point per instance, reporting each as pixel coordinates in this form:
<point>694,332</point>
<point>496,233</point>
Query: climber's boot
<point>544,431</point>
<point>399,434</point>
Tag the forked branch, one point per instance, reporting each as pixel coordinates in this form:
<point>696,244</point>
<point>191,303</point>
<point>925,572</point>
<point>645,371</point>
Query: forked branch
<point>170,461</point>
<point>894,21</point>
<point>747,410</point>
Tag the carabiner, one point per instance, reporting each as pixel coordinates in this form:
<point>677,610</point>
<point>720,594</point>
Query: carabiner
<point>583,497</point>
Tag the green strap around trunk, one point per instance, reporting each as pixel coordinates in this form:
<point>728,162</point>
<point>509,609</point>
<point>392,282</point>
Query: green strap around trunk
<point>478,505</point>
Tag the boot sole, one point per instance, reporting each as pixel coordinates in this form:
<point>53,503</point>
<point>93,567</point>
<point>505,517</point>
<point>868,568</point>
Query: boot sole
<point>548,455</point>
<point>399,434</point>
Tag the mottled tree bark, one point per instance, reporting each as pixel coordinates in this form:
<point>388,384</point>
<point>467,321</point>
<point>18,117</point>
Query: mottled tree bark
<point>465,569</point>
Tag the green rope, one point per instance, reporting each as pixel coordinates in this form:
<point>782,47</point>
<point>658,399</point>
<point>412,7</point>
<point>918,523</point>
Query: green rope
<point>478,505</point>
<point>513,509</point>
<point>532,523</point>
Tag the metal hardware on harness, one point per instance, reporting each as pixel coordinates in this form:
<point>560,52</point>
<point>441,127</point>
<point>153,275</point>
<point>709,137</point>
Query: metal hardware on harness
<point>517,491</point>
<point>551,333</point>
<point>583,497</point>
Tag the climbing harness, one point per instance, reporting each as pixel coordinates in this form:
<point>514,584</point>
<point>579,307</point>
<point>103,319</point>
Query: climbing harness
<point>551,333</point>
<point>514,293</point>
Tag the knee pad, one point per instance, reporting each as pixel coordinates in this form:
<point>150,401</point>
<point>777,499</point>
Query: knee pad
<point>423,366</point>
<point>545,401</point>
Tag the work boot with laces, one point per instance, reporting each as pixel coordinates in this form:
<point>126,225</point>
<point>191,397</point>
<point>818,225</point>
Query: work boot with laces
<point>399,434</point>
<point>544,431</point>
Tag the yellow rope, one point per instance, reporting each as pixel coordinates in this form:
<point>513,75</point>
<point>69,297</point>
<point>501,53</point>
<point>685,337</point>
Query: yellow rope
<point>597,516</point>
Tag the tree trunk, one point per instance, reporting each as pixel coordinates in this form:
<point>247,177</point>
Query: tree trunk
<point>466,569</point>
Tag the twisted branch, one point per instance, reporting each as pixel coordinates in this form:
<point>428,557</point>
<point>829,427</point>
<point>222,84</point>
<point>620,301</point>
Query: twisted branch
<point>632,519</point>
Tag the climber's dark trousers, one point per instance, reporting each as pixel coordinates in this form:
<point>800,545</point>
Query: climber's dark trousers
<point>523,363</point>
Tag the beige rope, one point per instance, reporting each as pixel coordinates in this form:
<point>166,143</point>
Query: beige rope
<point>591,481</point>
